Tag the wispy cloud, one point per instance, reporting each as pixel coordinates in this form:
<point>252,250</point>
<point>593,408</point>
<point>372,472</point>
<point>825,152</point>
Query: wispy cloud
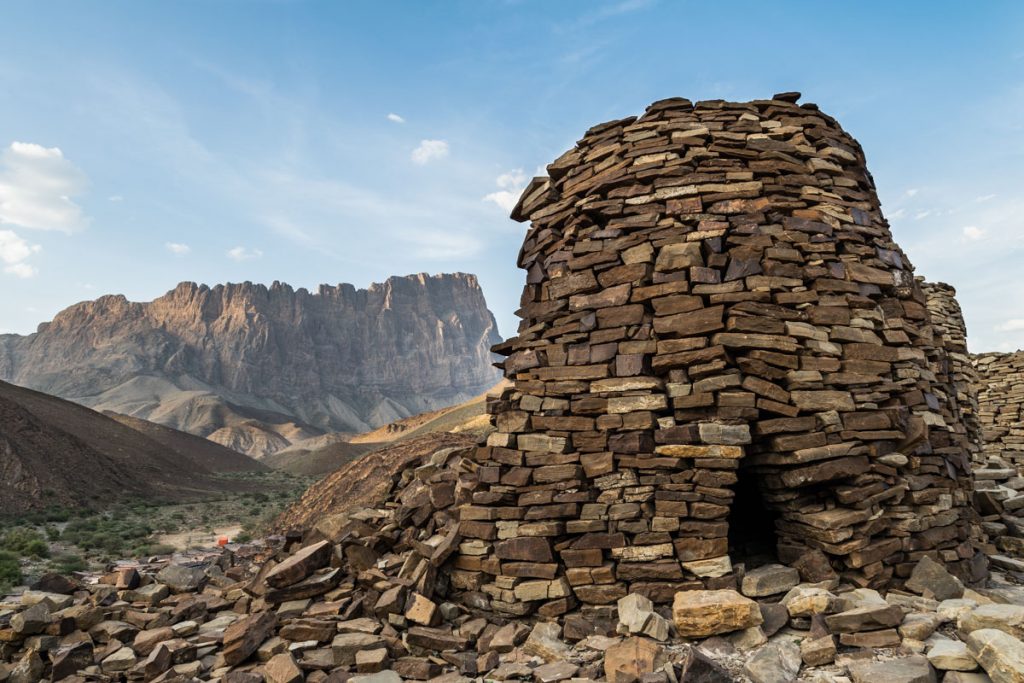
<point>36,188</point>
<point>1012,325</point>
<point>973,233</point>
<point>429,150</point>
<point>440,245</point>
<point>177,248</point>
<point>395,118</point>
<point>14,251</point>
<point>614,9</point>
<point>911,192</point>
<point>512,185</point>
<point>244,254</point>
<point>984,198</point>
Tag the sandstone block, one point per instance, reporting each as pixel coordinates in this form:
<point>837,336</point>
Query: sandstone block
<point>704,613</point>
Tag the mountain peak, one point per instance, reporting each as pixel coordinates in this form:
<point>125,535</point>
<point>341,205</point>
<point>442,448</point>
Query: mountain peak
<point>204,358</point>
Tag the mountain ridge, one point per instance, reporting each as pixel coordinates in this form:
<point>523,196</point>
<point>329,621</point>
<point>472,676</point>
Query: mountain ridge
<point>251,359</point>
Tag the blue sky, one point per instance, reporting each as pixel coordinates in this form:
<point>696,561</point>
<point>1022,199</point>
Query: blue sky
<point>145,143</point>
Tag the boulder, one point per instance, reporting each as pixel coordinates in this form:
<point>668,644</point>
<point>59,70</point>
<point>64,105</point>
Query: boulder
<point>181,579</point>
<point>932,580</point>
<point>774,663</point>
<point>553,672</point>
<point>545,641</point>
<point>629,660</point>
<point>1006,618</point>
<point>31,621</point>
<point>244,636</point>
<point>703,613</point>
<point>951,655</point>
<point>770,579</point>
<point>869,618</point>
<point>283,669</point>
<point>697,667</point>
<point>818,651</point>
<point>637,617</point>
<point>804,601</point>
<point>346,645</point>
<point>999,654</point>
<point>912,669</point>
<point>300,565</point>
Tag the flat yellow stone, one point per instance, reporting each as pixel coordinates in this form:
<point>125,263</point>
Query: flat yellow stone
<point>689,451</point>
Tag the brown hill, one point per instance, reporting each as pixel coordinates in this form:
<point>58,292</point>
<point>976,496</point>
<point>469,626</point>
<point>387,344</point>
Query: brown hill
<point>305,459</point>
<point>211,455</point>
<point>257,367</point>
<point>57,453</point>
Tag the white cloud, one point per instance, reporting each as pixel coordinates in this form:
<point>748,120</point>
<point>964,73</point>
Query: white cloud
<point>922,214</point>
<point>13,253</point>
<point>36,188</point>
<point>22,270</point>
<point>177,248</point>
<point>1012,325</point>
<point>984,198</point>
<point>115,198</point>
<point>911,192</point>
<point>244,254</point>
<point>395,118</point>
<point>512,185</point>
<point>442,244</point>
<point>897,214</point>
<point>973,233</point>
<point>429,150</point>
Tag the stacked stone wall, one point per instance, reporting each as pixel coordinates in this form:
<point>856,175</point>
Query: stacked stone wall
<point>954,366</point>
<point>1001,405</point>
<point>716,317</point>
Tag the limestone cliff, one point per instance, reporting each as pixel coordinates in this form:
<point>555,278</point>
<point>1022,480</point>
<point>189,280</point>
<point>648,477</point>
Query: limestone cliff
<point>298,363</point>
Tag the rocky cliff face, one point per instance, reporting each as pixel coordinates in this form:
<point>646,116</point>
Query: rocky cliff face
<point>204,359</point>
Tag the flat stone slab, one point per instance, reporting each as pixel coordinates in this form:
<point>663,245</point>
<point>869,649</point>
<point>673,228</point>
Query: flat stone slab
<point>913,669</point>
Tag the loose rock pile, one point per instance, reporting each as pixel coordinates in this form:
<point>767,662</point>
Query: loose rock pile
<point>716,322</point>
<point>374,603</point>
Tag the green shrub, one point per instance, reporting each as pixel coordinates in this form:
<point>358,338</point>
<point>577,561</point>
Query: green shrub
<point>37,549</point>
<point>10,571</point>
<point>24,541</point>
<point>65,563</point>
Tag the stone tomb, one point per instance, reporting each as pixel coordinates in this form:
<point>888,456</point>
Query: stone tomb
<point>724,359</point>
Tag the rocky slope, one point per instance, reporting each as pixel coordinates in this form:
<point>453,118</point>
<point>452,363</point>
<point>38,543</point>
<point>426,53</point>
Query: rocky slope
<point>257,368</point>
<point>56,453</point>
<point>322,455</point>
<point>378,598</point>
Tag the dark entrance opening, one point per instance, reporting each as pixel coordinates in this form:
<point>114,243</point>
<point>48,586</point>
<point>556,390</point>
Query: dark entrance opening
<point>752,536</point>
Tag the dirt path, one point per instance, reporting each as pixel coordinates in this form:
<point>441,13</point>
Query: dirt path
<point>199,538</point>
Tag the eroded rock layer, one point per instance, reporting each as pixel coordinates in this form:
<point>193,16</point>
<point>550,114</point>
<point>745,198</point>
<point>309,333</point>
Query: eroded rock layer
<point>723,355</point>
